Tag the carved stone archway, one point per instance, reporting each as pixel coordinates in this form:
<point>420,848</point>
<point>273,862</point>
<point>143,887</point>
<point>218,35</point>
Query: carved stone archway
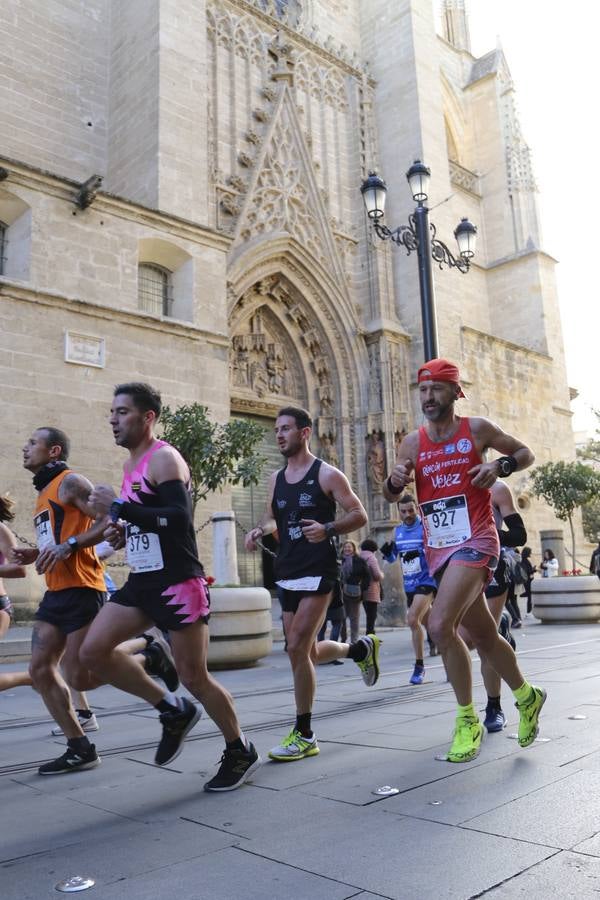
<point>281,355</point>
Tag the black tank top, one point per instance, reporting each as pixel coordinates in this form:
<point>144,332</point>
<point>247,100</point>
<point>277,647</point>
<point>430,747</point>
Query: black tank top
<point>297,557</point>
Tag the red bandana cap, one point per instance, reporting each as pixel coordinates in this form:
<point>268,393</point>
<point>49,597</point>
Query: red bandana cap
<point>440,370</point>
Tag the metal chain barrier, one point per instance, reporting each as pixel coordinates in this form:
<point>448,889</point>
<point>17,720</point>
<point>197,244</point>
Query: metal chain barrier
<point>203,526</point>
<point>23,540</point>
<point>116,565</point>
<point>244,529</point>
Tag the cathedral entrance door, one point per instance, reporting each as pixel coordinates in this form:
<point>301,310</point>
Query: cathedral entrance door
<point>248,505</point>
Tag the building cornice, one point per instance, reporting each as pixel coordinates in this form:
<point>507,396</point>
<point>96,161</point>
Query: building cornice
<point>111,204</point>
<point>11,291</point>
<point>466,329</point>
<point>377,328</point>
<point>517,257</point>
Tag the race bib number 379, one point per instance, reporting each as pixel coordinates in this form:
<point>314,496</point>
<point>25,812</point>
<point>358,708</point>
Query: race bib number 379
<point>143,551</point>
<point>447,521</point>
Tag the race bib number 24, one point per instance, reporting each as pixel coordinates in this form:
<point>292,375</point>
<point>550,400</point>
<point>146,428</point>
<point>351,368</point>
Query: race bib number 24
<point>43,530</point>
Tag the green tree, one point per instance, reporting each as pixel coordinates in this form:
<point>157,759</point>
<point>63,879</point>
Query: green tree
<point>216,454</point>
<point>566,486</point>
<point>590,514</point>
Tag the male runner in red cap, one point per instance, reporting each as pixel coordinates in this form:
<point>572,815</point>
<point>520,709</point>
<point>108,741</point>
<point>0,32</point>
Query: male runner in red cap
<point>453,485</point>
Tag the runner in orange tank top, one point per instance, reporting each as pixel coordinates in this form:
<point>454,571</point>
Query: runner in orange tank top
<point>67,530</point>
<point>446,459</point>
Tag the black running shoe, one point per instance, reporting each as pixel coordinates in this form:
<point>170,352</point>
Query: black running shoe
<point>160,664</point>
<point>71,761</point>
<point>236,767</point>
<point>175,725</point>
<point>504,629</point>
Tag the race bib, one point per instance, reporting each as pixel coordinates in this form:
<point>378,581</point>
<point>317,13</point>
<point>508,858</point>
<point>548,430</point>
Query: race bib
<point>447,521</point>
<point>43,530</point>
<point>143,553</point>
<point>411,567</point>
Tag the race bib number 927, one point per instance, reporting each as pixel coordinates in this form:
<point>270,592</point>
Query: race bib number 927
<point>447,521</point>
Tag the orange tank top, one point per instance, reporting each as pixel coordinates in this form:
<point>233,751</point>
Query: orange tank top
<point>54,522</point>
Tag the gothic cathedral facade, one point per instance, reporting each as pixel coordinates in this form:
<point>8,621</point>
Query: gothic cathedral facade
<point>222,252</point>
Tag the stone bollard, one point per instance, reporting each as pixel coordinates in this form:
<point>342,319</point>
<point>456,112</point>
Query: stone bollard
<point>225,565</point>
<point>553,539</point>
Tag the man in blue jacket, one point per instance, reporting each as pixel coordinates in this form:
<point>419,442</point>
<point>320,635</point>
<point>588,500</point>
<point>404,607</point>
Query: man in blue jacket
<point>419,586</point>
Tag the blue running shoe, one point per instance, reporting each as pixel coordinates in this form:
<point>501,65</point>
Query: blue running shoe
<point>418,676</point>
<point>495,720</point>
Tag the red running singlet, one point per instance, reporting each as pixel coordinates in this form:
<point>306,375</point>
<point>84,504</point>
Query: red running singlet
<point>455,514</point>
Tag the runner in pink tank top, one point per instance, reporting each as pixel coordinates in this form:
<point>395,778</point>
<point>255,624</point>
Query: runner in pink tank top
<point>453,484</point>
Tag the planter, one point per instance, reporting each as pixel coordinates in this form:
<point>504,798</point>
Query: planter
<point>566,599</point>
<point>240,626</point>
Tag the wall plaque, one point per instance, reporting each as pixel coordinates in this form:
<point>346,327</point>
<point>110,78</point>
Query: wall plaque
<point>84,349</point>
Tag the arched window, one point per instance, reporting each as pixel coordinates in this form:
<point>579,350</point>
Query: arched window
<point>3,242</point>
<point>154,289</point>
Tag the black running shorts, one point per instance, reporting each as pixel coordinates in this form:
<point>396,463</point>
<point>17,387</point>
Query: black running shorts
<point>423,590</point>
<point>290,600</point>
<point>70,609</point>
<point>170,606</point>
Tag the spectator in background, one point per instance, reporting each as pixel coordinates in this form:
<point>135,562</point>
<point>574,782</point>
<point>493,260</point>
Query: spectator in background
<point>549,564</point>
<point>335,614</point>
<point>372,596</point>
<point>529,571</point>
<point>355,579</point>
<point>595,561</point>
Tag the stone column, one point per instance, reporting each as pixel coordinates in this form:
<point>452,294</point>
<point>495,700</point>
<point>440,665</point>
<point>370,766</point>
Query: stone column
<point>225,566</point>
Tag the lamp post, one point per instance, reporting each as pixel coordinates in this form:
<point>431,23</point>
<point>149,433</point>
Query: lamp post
<point>420,236</point>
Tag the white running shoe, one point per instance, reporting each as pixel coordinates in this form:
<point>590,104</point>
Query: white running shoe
<point>89,723</point>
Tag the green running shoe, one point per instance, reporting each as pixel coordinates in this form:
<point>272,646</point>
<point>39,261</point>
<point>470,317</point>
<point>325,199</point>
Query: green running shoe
<point>529,714</point>
<point>294,746</point>
<point>369,666</point>
<point>466,742</point>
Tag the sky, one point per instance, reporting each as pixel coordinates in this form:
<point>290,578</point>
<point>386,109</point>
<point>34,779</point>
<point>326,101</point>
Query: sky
<point>552,48</point>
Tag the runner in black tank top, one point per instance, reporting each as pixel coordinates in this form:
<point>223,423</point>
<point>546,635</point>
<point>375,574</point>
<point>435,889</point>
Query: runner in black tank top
<point>293,503</point>
<point>301,508</point>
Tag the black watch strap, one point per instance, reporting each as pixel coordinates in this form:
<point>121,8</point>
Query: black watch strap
<point>506,466</point>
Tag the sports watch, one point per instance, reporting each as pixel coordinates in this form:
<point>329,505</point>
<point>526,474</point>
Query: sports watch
<point>114,510</point>
<point>506,466</point>
<point>72,542</point>
<point>330,529</point>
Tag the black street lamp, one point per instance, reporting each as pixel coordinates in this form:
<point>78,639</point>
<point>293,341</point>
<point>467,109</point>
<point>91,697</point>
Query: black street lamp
<point>420,236</point>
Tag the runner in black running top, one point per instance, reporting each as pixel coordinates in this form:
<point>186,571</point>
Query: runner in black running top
<point>301,507</point>
<point>153,520</point>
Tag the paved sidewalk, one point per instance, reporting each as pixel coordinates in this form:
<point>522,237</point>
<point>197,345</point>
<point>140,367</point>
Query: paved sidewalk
<point>510,824</point>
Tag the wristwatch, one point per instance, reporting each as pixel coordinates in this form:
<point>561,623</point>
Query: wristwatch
<point>72,542</point>
<point>506,466</point>
<point>114,509</point>
<point>330,529</point>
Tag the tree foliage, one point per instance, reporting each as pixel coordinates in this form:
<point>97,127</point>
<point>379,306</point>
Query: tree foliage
<point>566,486</point>
<point>590,514</point>
<point>216,454</point>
